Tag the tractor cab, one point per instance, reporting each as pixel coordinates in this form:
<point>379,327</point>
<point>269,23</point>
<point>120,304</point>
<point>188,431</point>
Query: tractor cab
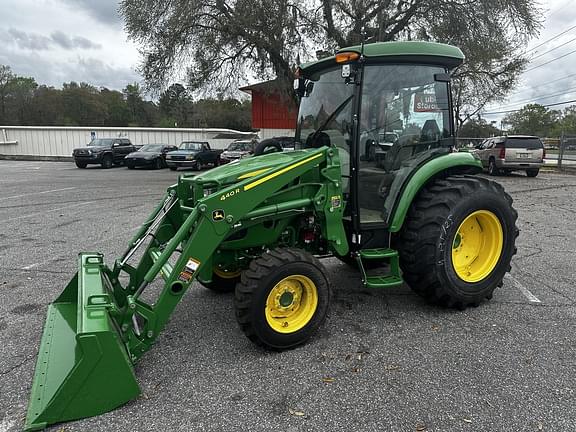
<point>387,109</point>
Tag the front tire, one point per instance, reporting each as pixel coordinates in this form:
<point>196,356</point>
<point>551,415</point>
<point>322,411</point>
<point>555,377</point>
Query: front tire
<point>532,172</point>
<point>81,164</point>
<point>282,298</point>
<point>458,240</point>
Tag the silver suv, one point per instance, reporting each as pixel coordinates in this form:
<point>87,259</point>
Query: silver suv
<point>505,154</point>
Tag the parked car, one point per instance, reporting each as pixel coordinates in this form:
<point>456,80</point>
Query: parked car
<point>193,154</point>
<point>237,150</point>
<point>150,155</point>
<point>103,151</point>
<point>504,154</point>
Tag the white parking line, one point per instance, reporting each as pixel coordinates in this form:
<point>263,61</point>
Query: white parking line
<point>46,211</point>
<point>37,193</point>
<point>531,297</point>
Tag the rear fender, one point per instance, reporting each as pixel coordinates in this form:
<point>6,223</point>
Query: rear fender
<point>450,164</point>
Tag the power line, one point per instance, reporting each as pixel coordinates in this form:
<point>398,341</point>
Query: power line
<point>516,110</point>
<point>548,62</point>
<point>551,39</point>
<point>548,83</point>
<point>539,97</point>
<point>553,49</point>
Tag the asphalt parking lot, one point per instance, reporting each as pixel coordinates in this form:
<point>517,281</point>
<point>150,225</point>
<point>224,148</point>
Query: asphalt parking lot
<point>384,360</point>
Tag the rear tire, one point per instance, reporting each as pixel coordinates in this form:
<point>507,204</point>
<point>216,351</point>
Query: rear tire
<point>465,220</point>
<point>81,164</point>
<point>107,161</point>
<point>282,298</point>
<point>532,172</point>
<point>173,168</point>
<point>158,164</point>
<point>492,168</point>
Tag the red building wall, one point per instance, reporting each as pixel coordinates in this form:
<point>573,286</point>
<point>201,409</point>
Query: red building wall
<point>269,111</point>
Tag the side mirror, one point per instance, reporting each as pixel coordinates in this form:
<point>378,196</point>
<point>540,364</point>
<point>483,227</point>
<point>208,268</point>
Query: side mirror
<point>115,144</point>
<point>300,86</point>
<point>442,77</point>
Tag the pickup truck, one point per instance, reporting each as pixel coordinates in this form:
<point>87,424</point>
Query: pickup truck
<point>193,154</point>
<point>103,151</point>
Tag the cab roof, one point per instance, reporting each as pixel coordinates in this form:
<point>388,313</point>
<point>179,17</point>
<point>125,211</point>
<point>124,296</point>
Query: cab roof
<point>403,52</point>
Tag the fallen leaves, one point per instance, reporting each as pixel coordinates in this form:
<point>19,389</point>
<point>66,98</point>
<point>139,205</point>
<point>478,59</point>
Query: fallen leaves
<point>296,413</point>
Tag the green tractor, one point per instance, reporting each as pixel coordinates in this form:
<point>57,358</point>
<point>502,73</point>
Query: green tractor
<point>375,181</point>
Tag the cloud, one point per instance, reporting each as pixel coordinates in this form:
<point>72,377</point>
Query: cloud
<point>43,68</point>
<point>30,41</point>
<point>104,11</point>
<point>37,42</point>
<point>64,41</point>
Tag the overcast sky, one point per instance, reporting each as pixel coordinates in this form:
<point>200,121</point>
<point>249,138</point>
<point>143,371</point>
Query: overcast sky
<point>547,83</point>
<point>58,41</point>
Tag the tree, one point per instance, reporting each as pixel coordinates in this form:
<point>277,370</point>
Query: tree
<point>6,77</point>
<point>133,96</point>
<point>532,119</point>
<point>478,128</point>
<point>48,107</point>
<point>83,105</point>
<point>19,99</point>
<point>175,106</point>
<point>117,112</point>
<point>218,42</point>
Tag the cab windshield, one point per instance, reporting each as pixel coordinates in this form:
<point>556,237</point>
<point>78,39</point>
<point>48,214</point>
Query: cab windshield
<point>190,146</point>
<point>325,107</point>
<point>403,119</point>
<point>101,142</point>
<point>151,148</point>
<point>240,146</point>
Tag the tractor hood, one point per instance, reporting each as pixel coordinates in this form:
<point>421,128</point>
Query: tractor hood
<point>250,167</point>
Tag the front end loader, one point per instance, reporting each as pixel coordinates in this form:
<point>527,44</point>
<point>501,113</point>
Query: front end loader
<point>409,211</point>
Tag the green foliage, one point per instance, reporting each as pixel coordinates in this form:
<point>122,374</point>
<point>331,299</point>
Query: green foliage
<point>478,129</point>
<point>23,102</point>
<point>532,119</point>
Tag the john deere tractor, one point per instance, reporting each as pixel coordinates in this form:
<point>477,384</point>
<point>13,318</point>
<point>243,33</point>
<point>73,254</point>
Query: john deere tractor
<point>375,181</point>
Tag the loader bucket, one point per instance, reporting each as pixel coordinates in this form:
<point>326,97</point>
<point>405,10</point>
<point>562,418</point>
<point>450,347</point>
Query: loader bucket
<point>83,368</point>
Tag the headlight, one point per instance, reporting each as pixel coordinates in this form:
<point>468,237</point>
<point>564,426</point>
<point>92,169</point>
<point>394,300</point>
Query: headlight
<point>168,156</point>
<point>190,157</point>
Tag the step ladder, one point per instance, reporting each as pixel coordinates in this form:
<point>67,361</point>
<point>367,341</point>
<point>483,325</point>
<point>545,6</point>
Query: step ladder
<point>392,279</point>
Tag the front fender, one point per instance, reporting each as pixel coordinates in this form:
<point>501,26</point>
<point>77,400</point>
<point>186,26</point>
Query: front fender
<point>453,163</point>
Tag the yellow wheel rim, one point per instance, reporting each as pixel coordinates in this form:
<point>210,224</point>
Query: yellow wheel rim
<point>226,274</point>
<point>477,246</point>
<point>291,304</point>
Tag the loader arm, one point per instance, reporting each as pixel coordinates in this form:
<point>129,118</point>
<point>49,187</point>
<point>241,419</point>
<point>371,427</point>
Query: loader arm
<point>99,327</point>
